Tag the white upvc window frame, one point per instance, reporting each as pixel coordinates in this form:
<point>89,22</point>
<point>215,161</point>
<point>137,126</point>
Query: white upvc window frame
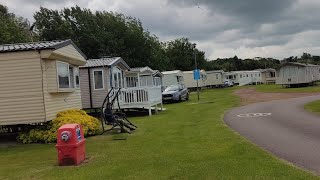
<point>58,75</point>
<point>94,82</point>
<point>77,86</point>
<point>69,76</point>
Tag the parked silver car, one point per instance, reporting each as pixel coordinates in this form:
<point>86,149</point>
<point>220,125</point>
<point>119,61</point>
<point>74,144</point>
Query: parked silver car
<point>175,93</point>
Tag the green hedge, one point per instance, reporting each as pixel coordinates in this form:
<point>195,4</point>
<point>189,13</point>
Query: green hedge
<point>48,133</point>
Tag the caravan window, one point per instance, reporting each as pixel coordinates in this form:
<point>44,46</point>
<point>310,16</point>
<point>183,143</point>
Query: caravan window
<point>272,74</point>
<point>98,79</point>
<point>157,81</point>
<point>217,77</point>
<point>71,75</point>
<point>132,81</point>
<point>63,75</point>
<point>68,75</point>
<point>115,76</point>
<point>179,78</point>
<point>76,77</point>
<point>240,75</point>
<point>117,79</point>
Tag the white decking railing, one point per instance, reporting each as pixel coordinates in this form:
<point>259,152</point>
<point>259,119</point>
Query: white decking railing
<point>139,97</point>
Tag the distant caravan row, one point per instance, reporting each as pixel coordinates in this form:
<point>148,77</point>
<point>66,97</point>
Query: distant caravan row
<point>288,74</point>
<point>207,79</point>
<point>218,78</point>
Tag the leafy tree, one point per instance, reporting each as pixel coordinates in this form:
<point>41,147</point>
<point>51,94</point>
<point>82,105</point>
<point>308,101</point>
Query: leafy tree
<point>102,34</point>
<point>236,64</point>
<point>181,55</point>
<point>306,56</point>
<point>13,29</point>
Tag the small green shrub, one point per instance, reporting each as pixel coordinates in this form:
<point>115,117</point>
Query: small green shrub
<point>48,132</point>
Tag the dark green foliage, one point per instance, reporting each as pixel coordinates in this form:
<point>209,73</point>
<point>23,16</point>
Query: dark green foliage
<point>308,58</point>
<point>236,64</point>
<point>103,34</point>
<point>13,29</point>
<point>181,55</point>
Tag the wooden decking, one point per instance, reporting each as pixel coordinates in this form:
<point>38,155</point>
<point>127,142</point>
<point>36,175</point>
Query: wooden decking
<point>140,97</point>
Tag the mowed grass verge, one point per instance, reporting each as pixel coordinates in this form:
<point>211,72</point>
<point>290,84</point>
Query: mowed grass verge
<point>187,141</point>
<point>313,107</point>
<point>279,89</point>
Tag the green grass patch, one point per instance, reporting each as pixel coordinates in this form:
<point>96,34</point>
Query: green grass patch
<point>280,89</point>
<point>313,107</point>
<point>187,141</point>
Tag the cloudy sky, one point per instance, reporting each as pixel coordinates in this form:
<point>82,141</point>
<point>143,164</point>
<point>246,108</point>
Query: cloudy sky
<point>221,28</point>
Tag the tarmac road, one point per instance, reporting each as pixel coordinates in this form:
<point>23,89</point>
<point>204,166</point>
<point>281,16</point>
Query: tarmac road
<point>285,129</point>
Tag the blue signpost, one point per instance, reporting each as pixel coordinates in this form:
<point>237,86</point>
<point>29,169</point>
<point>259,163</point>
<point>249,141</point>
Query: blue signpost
<point>196,74</point>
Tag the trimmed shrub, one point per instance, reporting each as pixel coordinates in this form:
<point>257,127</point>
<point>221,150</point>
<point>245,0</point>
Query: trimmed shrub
<point>48,132</point>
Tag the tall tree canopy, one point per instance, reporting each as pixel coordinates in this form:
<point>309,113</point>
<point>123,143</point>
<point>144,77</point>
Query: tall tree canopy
<point>236,64</point>
<point>102,34</point>
<point>13,29</point>
<point>181,55</point>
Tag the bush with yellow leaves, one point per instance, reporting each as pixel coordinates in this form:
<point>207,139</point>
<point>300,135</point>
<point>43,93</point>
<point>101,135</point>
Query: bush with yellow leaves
<point>48,132</point>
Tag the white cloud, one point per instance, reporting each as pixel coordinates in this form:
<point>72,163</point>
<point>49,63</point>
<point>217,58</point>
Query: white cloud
<point>247,28</point>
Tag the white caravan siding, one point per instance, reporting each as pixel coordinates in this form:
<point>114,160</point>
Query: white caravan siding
<point>172,78</point>
<point>29,88</point>
<point>203,78</point>
<point>249,77</point>
<point>57,101</point>
<point>69,52</point>
<point>97,95</point>
<point>214,78</point>
<point>21,96</point>
<point>189,81</point>
<point>268,76</point>
<point>244,77</point>
<point>232,76</point>
<point>292,74</point>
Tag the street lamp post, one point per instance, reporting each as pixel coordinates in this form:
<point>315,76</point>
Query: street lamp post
<point>196,67</point>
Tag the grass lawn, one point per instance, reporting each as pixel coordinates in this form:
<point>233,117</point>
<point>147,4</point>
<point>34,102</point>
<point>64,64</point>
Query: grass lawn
<point>313,107</point>
<point>188,141</point>
<point>279,88</point>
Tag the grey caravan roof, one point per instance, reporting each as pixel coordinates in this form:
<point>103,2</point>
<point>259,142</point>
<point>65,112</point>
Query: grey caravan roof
<point>265,70</point>
<point>298,64</point>
<point>145,70</point>
<point>142,69</point>
<point>215,71</point>
<point>42,45</point>
<point>171,72</point>
<point>105,62</point>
